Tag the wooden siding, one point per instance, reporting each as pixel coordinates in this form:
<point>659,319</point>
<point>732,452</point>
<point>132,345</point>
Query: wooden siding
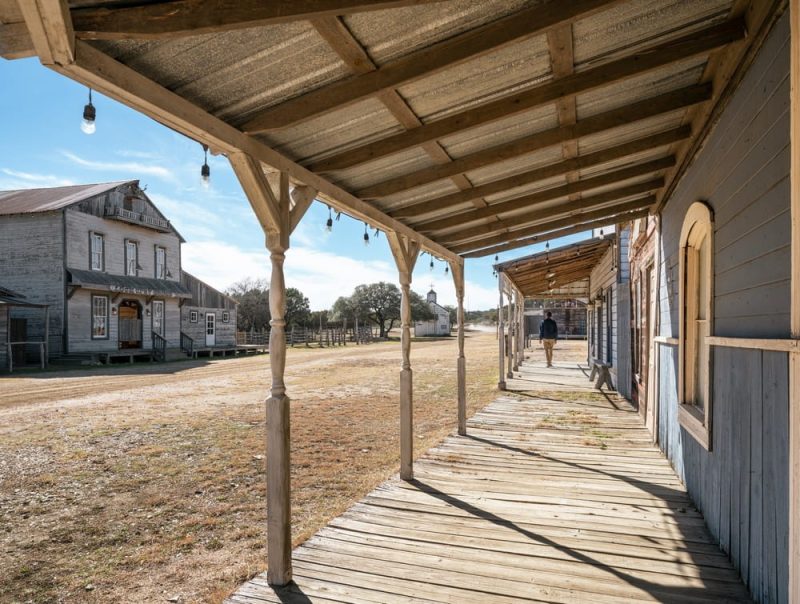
<point>80,224</point>
<point>31,252</point>
<point>80,322</point>
<point>225,332</point>
<point>203,295</point>
<point>742,172</point>
<point>603,278</point>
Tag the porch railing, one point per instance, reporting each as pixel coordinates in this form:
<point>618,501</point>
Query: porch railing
<point>187,344</point>
<point>159,347</point>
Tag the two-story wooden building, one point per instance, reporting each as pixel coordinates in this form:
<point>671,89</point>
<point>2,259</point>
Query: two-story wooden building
<point>106,261</point>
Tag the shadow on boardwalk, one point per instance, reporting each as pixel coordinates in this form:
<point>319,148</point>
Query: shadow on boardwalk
<point>556,495</point>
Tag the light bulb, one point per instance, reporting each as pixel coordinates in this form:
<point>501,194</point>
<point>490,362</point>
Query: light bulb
<point>329,225</point>
<point>89,115</point>
<point>205,176</point>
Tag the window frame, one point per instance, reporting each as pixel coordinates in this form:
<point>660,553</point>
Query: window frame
<point>135,245</point>
<point>92,317</point>
<point>226,316</point>
<point>163,305</point>
<point>193,316</point>
<point>697,224</point>
<point>102,237</point>
<point>159,248</point>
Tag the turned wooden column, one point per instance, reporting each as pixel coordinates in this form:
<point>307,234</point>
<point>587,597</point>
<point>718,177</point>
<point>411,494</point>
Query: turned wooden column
<point>279,209</point>
<point>501,337</point>
<point>279,506</point>
<point>516,331</point>
<point>461,365</point>
<point>510,347</point>
<point>405,253</point>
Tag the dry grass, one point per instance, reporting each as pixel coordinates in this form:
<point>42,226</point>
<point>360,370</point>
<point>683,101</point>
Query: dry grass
<point>146,484</point>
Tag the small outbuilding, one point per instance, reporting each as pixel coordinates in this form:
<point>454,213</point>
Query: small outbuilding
<point>439,325</point>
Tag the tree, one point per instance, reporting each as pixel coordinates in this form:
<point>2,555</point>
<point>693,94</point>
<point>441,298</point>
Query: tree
<point>380,303</point>
<point>420,309</point>
<point>298,311</point>
<point>453,314</point>
<point>253,298</point>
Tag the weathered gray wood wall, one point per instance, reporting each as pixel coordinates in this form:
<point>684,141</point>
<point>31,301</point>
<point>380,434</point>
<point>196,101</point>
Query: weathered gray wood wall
<point>31,253</point>
<point>743,174</point>
<point>225,332</point>
<point>3,337</point>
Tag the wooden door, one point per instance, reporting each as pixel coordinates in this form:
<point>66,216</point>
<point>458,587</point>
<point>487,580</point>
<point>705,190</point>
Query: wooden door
<point>211,329</point>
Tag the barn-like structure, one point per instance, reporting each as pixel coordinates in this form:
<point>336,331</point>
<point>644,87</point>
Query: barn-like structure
<point>464,128</point>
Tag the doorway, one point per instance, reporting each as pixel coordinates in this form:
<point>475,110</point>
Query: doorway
<point>130,324</point>
<point>211,329</point>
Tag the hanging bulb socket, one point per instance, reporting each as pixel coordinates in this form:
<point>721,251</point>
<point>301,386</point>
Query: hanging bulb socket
<point>446,269</point>
<point>205,170</point>
<point>89,116</point>
<point>329,222</point>
<point>366,235</point>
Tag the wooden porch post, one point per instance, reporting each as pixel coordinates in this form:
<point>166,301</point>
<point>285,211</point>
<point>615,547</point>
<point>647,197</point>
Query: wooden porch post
<point>510,347</point>
<point>501,336</point>
<point>794,357</point>
<point>405,253</point>
<point>271,201</point>
<point>457,268</point>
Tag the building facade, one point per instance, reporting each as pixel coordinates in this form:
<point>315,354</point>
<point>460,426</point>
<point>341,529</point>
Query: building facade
<point>104,260</point>
<point>439,325</point>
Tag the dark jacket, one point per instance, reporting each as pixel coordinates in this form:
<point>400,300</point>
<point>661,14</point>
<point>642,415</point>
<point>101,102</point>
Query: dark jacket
<point>548,330</point>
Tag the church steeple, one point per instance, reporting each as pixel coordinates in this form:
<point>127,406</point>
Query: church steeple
<point>432,295</point>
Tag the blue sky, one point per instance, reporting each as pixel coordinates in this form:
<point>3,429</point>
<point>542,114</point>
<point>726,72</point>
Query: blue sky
<point>41,145</point>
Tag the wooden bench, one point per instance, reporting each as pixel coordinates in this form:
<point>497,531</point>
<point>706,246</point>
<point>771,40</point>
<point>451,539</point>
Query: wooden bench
<point>601,375</point>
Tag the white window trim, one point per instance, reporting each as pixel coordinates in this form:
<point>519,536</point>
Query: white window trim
<point>92,236</point>
<point>135,258</point>
<point>226,317</point>
<point>162,249</point>
<point>192,316</point>
<point>697,423</point>
<point>105,336</point>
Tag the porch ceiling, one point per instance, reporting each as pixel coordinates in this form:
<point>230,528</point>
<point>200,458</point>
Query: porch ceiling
<point>564,270</point>
<point>472,125</point>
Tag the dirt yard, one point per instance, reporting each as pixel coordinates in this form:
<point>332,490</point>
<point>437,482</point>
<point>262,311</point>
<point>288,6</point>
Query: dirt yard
<point>146,483</point>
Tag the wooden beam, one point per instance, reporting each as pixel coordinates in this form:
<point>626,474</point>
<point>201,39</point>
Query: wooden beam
<point>193,17</point>
<point>342,41</point>
<point>15,41</point>
<point>50,28</point>
<point>533,199</point>
<point>425,62</point>
<point>603,122</point>
<point>96,69</point>
<point>257,190</point>
<point>578,163</point>
<point>794,357</point>
<point>556,234</point>
<point>640,62</point>
<point>608,212</point>
<point>567,209</point>
<point>302,197</point>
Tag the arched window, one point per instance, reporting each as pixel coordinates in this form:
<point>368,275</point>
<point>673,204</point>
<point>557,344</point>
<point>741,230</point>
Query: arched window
<point>696,304</point>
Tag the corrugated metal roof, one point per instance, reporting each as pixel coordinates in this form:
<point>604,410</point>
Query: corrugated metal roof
<point>27,201</point>
<point>143,286</point>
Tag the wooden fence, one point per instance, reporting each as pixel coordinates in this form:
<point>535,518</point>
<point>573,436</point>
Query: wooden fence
<point>307,336</point>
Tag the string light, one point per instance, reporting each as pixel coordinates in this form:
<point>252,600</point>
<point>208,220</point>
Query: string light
<point>89,115</point>
<point>329,223</point>
<point>205,171</point>
<point>366,235</point>
<point>446,269</point>
<point>431,263</point>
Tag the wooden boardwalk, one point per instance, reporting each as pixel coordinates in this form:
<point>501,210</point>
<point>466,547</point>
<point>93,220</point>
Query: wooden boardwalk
<point>556,495</point>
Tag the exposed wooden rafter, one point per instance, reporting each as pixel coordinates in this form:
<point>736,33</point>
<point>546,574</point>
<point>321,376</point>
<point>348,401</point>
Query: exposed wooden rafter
<point>592,125</point>
<point>570,208</point>
<point>505,184</point>
<point>529,201</point>
<point>192,17</point>
<point>648,59</point>
<point>479,251</point>
<point>425,62</point>
<point>607,214</point>
<point>335,32</point>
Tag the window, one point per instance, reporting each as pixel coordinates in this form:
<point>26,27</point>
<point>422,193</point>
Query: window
<point>99,317</point>
<point>696,322</point>
<point>193,316</point>
<point>226,316</point>
<point>131,258</point>
<point>96,252</point>
<point>161,262</point>
<point>158,317</point>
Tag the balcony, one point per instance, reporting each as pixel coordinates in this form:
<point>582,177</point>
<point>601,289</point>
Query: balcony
<point>138,218</point>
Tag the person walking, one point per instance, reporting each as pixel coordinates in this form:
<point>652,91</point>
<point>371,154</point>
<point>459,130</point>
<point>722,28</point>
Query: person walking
<point>548,334</point>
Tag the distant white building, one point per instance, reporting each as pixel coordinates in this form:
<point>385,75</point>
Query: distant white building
<point>440,325</point>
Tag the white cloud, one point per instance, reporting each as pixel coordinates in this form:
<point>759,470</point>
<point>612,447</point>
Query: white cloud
<point>30,180</point>
<point>135,168</point>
